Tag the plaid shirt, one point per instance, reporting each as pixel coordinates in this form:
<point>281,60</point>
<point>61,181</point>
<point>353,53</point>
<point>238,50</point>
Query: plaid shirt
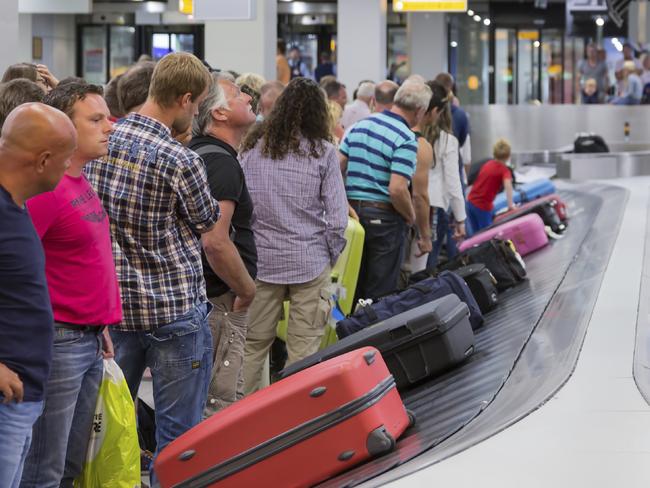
<point>157,197</point>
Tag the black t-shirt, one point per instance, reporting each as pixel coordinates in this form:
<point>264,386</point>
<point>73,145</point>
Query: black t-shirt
<point>227,182</point>
<point>26,321</point>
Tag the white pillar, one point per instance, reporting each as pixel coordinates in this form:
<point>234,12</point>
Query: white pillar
<point>639,22</point>
<point>361,37</point>
<point>427,43</point>
<point>9,34</point>
<point>245,45</point>
<point>25,37</point>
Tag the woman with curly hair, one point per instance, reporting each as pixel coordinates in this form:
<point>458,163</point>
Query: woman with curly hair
<point>299,219</point>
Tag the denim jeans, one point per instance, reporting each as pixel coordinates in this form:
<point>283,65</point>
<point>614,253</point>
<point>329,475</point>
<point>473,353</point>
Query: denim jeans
<point>443,233</point>
<point>383,251</point>
<point>16,422</point>
<point>61,434</point>
<point>478,219</point>
<point>179,355</point>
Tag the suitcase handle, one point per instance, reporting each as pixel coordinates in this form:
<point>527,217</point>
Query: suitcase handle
<point>411,328</point>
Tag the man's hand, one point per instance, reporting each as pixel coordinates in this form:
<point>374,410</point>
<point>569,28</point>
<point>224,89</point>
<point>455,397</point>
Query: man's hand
<point>352,213</point>
<point>459,231</point>
<point>48,77</point>
<point>10,385</point>
<point>107,345</point>
<point>244,300</point>
<point>424,245</point>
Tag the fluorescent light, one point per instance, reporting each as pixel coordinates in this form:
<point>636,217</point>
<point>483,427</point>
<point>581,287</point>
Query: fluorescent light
<point>536,43</point>
<point>470,12</point>
<point>454,44</point>
<point>477,18</point>
<point>600,21</point>
<point>487,21</point>
<point>399,5</point>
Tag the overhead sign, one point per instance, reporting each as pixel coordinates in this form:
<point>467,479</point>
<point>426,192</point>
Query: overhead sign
<point>429,6</point>
<point>186,7</point>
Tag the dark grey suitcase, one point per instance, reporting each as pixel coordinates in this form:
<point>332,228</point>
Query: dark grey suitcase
<point>416,344</point>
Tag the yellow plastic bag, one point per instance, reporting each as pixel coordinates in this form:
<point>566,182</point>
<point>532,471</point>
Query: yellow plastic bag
<point>113,457</point>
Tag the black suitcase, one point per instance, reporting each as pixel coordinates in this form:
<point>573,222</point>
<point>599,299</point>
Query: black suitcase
<point>590,143</point>
<point>503,262</point>
<point>415,344</point>
<point>482,285</point>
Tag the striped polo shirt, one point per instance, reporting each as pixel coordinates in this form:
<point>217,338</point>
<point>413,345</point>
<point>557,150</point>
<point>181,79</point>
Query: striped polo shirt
<point>376,147</point>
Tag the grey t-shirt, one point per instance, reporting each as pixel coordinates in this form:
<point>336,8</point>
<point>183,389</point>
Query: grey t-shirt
<point>597,72</point>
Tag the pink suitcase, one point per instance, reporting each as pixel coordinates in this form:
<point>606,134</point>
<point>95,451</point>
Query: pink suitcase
<point>527,234</point>
<point>295,433</point>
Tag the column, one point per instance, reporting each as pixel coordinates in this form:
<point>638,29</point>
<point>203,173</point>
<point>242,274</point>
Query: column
<point>361,37</point>
<point>639,22</point>
<point>25,37</point>
<point>244,45</point>
<point>427,43</point>
<point>8,34</point>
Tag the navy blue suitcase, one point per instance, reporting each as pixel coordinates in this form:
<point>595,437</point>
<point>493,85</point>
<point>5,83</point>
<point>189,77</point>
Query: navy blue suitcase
<point>446,283</point>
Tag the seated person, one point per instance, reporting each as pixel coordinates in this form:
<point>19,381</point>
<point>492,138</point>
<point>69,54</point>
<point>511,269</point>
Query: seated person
<point>493,174</point>
<point>590,92</point>
<point>631,86</point>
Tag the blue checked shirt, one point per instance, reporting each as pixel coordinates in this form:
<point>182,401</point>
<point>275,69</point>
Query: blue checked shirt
<point>157,197</point>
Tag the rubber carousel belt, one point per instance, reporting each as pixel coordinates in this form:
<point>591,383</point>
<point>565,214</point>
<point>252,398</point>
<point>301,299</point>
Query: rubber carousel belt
<point>448,407</point>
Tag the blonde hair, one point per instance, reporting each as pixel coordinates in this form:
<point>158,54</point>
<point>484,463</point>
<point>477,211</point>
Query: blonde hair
<point>334,112</point>
<point>175,75</point>
<point>501,150</point>
<point>252,80</point>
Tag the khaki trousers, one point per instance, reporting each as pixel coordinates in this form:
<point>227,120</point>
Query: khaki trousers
<point>229,337</point>
<point>310,305</point>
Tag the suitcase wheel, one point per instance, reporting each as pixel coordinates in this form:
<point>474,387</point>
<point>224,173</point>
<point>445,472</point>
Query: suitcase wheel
<point>411,416</point>
<point>380,441</point>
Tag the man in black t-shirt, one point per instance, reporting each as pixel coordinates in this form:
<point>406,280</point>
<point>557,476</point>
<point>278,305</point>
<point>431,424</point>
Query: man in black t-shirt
<point>36,145</point>
<point>224,117</point>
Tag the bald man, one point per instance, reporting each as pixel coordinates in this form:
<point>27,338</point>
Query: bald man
<point>35,146</point>
<point>384,94</point>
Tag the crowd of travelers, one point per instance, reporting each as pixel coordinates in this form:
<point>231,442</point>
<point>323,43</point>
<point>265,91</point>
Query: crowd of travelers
<point>164,220</point>
<point>631,84</point>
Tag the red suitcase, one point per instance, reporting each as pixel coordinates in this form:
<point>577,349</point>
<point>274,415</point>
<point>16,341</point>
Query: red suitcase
<point>297,432</point>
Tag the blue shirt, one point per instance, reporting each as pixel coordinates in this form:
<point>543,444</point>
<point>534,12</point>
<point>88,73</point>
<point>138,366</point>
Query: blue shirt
<point>26,321</point>
<point>377,147</point>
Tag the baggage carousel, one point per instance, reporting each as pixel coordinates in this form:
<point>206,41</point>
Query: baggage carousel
<point>526,351</point>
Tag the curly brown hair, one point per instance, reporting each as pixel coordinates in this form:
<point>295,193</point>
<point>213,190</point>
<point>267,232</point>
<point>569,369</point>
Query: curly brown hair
<point>300,112</point>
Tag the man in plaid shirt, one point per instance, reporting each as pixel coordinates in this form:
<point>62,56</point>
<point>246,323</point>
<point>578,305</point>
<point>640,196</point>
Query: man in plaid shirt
<point>157,197</point>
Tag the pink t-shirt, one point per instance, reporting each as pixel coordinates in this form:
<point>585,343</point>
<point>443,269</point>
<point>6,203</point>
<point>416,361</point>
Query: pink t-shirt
<point>74,229</point>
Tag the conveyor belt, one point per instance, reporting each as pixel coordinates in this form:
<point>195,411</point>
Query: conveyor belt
<point>554,304</point>
<point>641,368</point>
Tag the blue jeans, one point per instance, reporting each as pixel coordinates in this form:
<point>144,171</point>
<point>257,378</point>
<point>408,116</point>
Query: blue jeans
<point>179,355</point>
<point>477,218</point>
<point>16,422</point>
<point>383,251</point>
<point>444,234</point>
<point>61,434</point>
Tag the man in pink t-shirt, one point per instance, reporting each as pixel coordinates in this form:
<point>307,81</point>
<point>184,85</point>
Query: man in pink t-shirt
<point>84,292</point>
